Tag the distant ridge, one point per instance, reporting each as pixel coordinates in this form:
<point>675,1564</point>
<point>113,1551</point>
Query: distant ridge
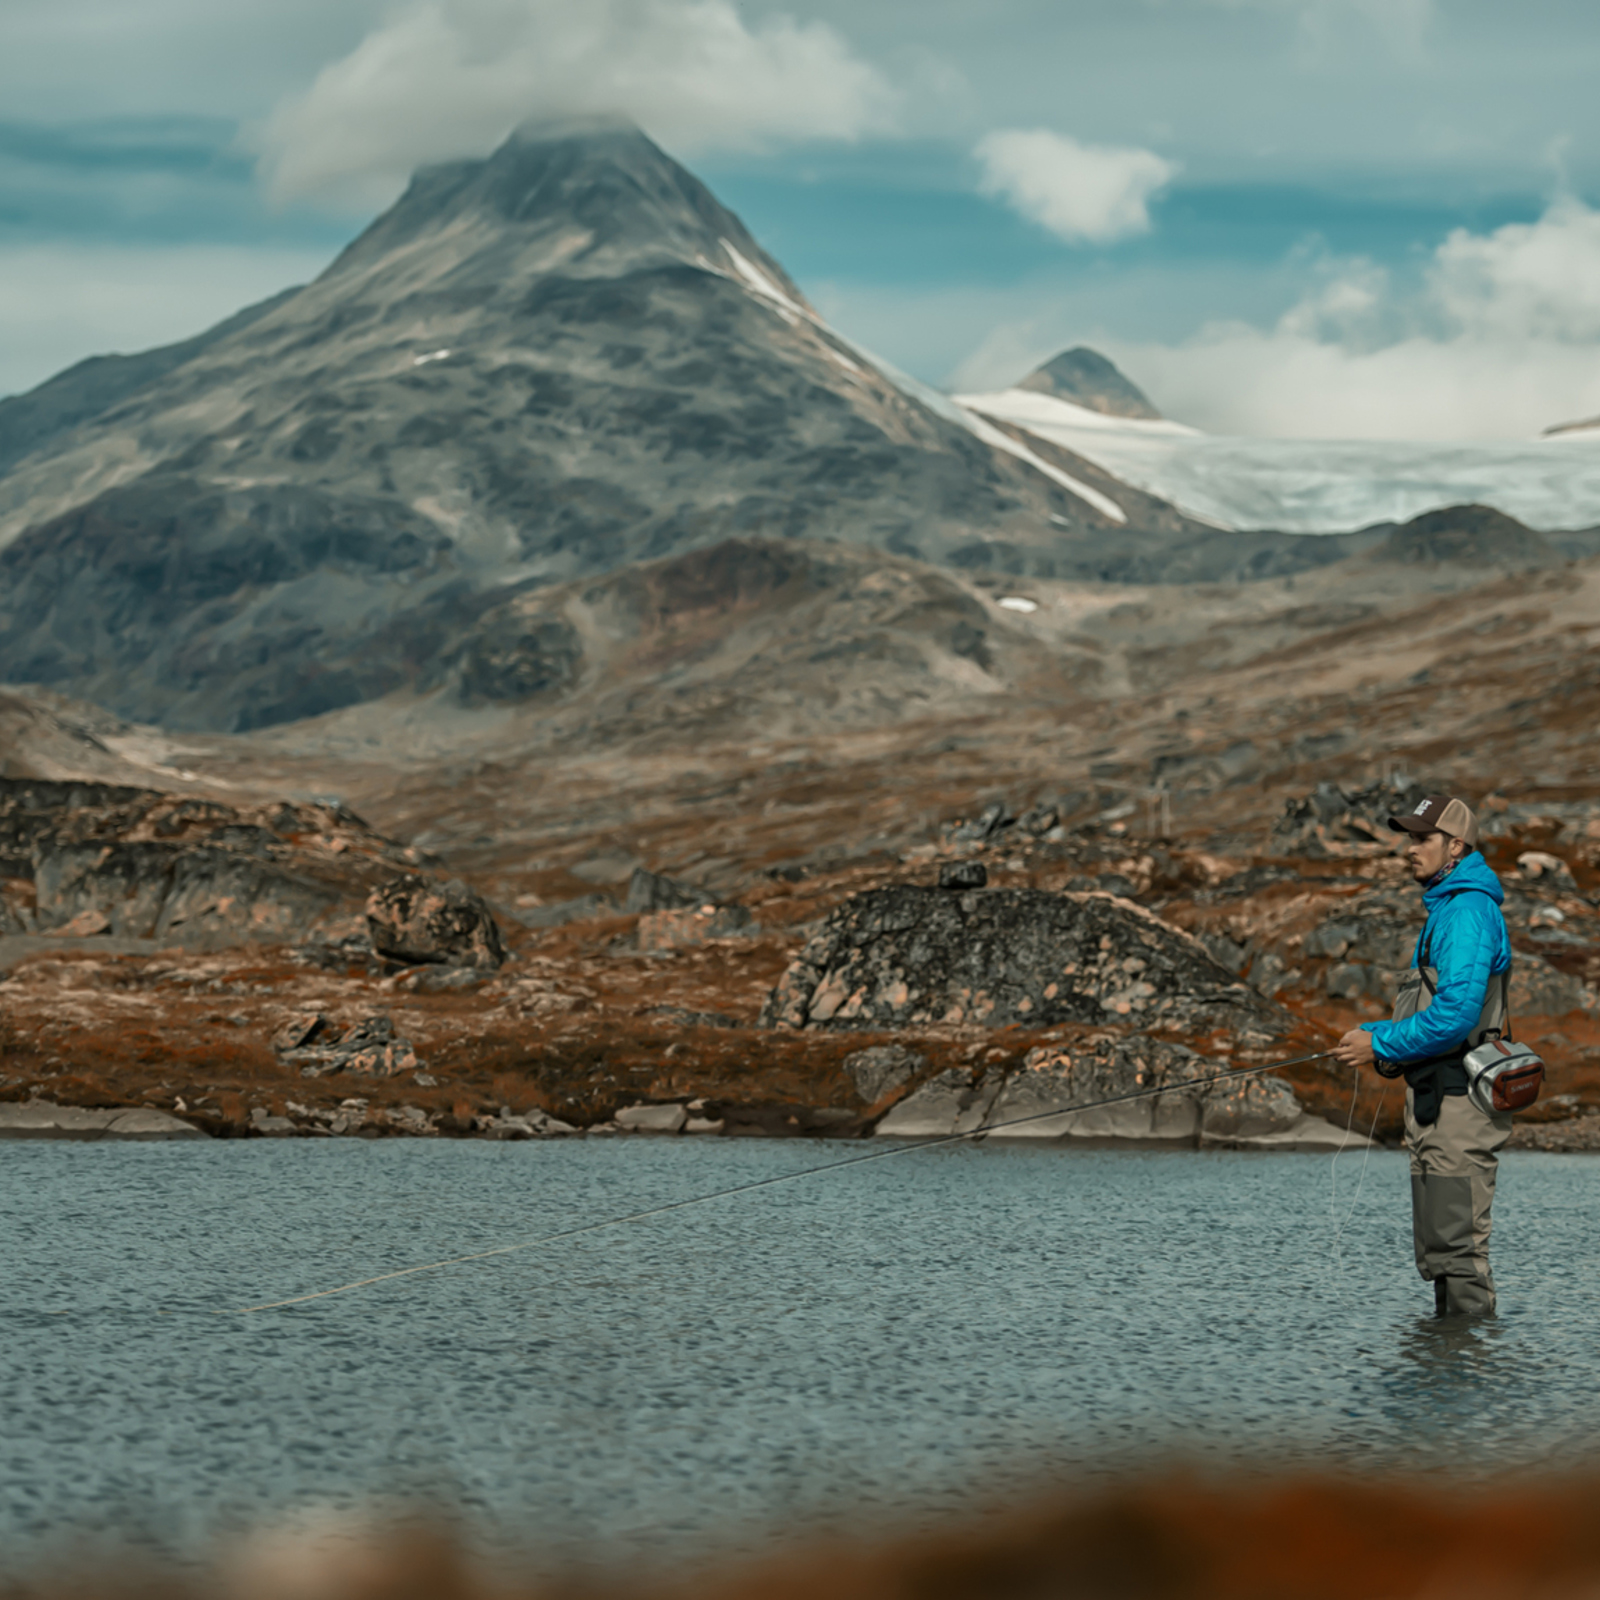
<point>1468,536</point>
<point>1086,378</point>
<point>1587,425</point>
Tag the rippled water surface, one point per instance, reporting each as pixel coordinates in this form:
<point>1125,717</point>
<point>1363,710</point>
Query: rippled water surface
<point>877,1340</point>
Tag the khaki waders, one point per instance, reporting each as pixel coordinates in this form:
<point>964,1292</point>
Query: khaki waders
<point>1453,1163</point>
<point>1454,1157</point>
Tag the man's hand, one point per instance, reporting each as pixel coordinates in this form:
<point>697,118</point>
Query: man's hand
<point>1355,1049</point>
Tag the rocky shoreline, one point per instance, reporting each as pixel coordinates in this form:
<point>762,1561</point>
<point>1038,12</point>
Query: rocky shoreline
<point>1022,964</point>
<point>1270,1120</point>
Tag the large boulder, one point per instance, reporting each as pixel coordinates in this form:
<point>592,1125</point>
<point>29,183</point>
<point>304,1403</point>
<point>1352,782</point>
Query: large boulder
<point>907,956</point>
<point>416,920</point>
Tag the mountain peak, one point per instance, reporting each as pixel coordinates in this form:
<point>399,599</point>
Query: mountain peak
<point>593,196</point>
<point>1087,379</point>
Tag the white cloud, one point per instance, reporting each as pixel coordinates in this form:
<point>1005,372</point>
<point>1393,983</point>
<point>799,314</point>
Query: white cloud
<point>1085,193</point>
<point>450,78</point>
<point>64,302</point>
<point>1538,280</point>
<point>1499,339</point>
<point>1401,26</point>
<point>1243,381</point>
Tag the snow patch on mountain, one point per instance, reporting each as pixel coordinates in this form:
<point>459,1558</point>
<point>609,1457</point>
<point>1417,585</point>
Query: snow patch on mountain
<point>756,279</point>
<point>763,287</point>
<point>997,440</point>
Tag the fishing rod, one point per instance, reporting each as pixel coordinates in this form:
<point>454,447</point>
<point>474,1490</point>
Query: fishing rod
<point>786,1177</point>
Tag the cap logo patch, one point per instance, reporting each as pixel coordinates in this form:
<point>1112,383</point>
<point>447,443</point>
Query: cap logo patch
<point>1421,808</point>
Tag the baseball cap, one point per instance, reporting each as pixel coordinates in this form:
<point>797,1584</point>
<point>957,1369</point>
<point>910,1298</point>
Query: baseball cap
<point>1439,813</point>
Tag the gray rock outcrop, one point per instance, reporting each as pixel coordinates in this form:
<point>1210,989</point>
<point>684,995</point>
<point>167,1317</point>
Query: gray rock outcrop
<point>1341,819</point>
<point>1035,1101</point>
<point>414,920</point>
<point>320,1047</point>
<point>907,956</point>
<point>39,1119</point>
<point>651,891</point>
<point>132,863</point>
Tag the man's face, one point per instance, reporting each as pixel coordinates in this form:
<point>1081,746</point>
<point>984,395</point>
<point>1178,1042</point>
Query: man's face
<point>1427,854</point>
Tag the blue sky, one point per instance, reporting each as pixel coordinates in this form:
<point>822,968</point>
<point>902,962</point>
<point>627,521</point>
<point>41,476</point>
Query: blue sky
<point>1266,210</point>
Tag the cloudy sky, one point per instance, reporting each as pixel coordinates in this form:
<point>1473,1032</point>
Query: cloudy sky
<point>1324,218</point>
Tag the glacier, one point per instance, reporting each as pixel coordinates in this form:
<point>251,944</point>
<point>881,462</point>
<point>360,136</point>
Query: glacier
<point>1316,485</point>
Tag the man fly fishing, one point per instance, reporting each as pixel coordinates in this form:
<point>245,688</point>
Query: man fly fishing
<point>1454,996</point>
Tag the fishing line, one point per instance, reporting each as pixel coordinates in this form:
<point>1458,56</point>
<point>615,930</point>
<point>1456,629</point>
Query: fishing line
<point>1333,1171</point>
<point>1361,1177</point>
<point>782,1177</point>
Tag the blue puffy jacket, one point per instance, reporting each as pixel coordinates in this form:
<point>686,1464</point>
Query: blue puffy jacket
<point>1467,942</point>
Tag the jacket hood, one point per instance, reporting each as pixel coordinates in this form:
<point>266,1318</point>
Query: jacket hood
<point>1472,873</point>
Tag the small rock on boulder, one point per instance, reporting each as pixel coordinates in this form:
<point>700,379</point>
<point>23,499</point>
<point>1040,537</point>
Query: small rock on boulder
<point>963,875</point>
<point>652,1119</point>
<point>674,930</point>
<point>416,920</point>
<point>881,1070</point>
<point>320,1048</point>
<point>650,891</point>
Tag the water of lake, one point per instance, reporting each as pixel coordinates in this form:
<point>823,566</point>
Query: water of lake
<point>886,1342</point>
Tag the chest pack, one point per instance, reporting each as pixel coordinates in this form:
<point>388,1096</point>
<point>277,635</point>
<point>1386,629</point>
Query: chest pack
<point>1496,1074</point>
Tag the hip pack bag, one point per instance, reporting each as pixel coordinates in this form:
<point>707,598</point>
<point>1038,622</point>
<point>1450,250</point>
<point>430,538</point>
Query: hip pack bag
<point>1501,1075</point>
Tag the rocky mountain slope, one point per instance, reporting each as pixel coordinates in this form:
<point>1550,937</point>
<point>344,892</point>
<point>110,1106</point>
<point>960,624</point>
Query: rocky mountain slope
<point>33,422</point>
<point>538,367</point>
